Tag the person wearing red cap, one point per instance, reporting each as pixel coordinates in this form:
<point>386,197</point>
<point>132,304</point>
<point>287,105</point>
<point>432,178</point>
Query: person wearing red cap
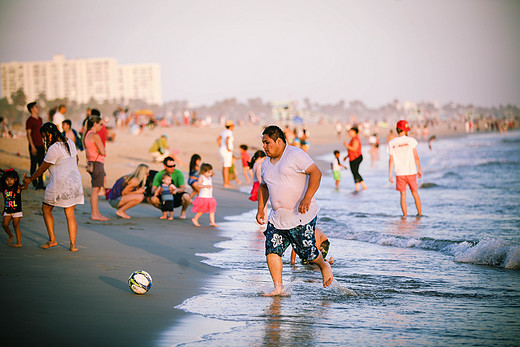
<point>405,160</point>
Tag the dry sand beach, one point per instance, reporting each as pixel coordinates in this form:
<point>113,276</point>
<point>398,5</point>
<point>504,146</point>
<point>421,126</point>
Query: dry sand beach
<point>56,297</point>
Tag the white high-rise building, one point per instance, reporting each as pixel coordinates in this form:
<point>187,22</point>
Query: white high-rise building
<point>82,79</point>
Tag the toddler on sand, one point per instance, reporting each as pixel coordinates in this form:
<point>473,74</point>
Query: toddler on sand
<point>166,196</point>
<point>205,202</point>
<point>12,191</point>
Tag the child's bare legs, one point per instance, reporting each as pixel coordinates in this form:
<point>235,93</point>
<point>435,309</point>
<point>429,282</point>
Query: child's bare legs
<point>415,195</point>
<point>195,220</point>
<point>170,215</point>
<point>48,218</point>
<point>94,204</point>
<point>212,220</point>
<point>72,226</point>
<point>337,184</point>
<point>164,215</point>
<point>18,232</point>
<point>5,224</point>
<point>403,203</point>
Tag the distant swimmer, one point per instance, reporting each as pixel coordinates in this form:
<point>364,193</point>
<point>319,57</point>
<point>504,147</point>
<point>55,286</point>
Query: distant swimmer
<point>289,179</point>
<point>403,154</point>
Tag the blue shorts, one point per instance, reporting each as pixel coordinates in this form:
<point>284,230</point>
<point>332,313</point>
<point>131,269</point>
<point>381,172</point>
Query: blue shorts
<point>301,238</point>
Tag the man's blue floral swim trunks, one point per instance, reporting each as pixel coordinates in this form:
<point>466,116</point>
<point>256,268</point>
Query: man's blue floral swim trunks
<point>301,238</point>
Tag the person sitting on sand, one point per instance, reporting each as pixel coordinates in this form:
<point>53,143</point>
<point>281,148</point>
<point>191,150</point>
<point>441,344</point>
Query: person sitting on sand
<point>128,191</point>
<point>160,149</point>
<point>323,244</point>
<point>64,188</point>
<point>180,196</point>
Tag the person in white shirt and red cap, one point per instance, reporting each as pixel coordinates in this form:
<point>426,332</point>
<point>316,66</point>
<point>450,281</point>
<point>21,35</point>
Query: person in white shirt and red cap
<point>405,160</point>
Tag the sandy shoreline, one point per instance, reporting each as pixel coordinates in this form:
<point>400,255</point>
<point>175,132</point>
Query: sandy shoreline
<point>62,298</point>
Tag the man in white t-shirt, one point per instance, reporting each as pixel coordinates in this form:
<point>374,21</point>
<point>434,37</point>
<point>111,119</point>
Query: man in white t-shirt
<point>225,143</point>
<point>403,155</point>
<point>289,180</point>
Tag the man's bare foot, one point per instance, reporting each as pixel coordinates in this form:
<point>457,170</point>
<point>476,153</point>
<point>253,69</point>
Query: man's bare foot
<point>49,245</point>
<point>331,260</point>
<point>100,218</point>
<point>161,217</point>
<point>73,248</point>
<point>18,244</point>
<point>326,273</point>
<point>10,240</point>
<point>122,214</point>
<point>214,225</point>
<point>195,222</point>
<point>278,290</point>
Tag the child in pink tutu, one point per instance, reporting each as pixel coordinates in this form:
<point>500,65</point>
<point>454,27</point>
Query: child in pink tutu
<point>205,202</point>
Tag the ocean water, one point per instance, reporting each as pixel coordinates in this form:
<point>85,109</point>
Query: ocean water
<point>448,278</point>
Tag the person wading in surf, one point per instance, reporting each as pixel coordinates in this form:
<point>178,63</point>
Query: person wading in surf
<point>403,154</point>
<point>290,179</point>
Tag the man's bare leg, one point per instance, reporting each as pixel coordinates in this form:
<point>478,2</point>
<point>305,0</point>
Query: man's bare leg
<point>415,195</point>
<point>326,270</point>
<point>403,203</point>
<point>185,203</point>
<point>274,262</point>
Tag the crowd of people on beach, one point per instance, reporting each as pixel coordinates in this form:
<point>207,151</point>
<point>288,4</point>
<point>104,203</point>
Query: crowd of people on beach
<point>281,173</point>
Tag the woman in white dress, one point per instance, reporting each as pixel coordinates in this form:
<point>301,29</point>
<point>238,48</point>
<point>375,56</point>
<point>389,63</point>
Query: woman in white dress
<point>64,188</point>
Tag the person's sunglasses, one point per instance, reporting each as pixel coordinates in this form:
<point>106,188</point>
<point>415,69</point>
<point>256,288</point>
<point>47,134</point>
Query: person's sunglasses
<point>170,166</point>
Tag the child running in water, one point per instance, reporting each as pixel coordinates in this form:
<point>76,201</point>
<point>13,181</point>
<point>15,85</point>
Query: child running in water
<point>255,164</point>
<point>12,191</point>
<point>166,196</point>
<point>194,174</point>
<point>205,202</point>
<point>336,166</point>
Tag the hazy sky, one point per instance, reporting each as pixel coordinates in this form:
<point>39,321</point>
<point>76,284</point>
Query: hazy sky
<point>466,51</point>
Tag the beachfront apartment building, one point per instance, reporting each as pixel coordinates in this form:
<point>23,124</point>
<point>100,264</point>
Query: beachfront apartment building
<point>82,79</point>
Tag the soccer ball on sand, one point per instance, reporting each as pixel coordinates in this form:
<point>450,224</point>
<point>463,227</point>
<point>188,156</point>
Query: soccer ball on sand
<point>140,282</point>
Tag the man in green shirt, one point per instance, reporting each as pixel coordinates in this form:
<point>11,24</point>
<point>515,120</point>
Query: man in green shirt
<point>180,196</point>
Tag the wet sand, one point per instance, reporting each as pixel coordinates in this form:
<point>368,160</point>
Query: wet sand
<point>58,297</point>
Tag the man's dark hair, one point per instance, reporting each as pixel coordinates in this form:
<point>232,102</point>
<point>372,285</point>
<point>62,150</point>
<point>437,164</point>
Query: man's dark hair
<point>336,152</point>
<point>67,121</point>
<point>167,159</point>
<point>95,112</point>
<point>274,132</point>
<point>30,106</point>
